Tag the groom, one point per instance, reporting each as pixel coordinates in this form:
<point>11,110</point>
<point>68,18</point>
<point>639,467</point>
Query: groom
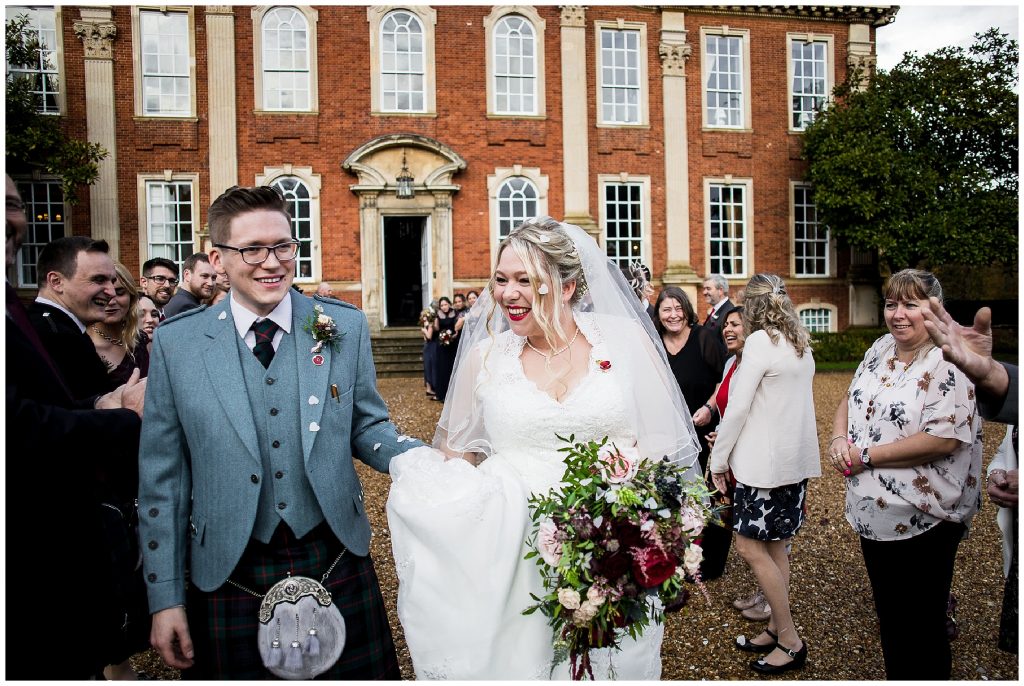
<point>245,465</point>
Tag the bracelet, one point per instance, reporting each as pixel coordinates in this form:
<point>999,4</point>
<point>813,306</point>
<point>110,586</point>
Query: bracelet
<point>834,439</point>
<point>709,408</point>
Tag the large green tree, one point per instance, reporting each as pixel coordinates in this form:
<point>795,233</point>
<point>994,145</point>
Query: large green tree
<point>37,141</point>
<point>921,165</point>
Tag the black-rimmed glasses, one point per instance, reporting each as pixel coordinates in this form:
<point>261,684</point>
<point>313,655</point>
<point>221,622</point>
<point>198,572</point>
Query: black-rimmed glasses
<point>258,254</point>
<point>160,279</point>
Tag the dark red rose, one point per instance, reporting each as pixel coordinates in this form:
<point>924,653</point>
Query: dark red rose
<point>652,565</point>
<point>613,566</point>
<point>628,535</point>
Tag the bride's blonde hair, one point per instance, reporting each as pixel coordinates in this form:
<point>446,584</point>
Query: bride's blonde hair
<point>551,260</point>
<point>766,305</point>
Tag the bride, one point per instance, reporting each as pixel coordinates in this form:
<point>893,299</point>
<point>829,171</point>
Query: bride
<point>556,344</point>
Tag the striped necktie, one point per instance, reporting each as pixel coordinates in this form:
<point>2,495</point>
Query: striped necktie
<point>264,348</point>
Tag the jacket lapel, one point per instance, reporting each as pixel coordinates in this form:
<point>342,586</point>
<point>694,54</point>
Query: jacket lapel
<point>313,378</point>
<point>227,376</point>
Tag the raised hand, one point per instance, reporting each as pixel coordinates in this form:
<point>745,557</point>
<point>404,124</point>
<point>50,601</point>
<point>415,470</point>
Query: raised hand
<point>969,348</point>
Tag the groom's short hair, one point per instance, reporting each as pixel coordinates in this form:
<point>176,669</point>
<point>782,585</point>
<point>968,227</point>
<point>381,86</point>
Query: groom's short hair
<point>239,200</point>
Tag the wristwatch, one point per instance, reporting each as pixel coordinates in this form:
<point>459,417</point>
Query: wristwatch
<point>865,459</point>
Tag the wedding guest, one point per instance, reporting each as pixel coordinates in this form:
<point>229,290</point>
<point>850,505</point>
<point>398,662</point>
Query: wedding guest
<point>1003,491</point>
<point>754,606</point>
<point>769,440</point>
<point>159,279</point>
<point>444,329</point>
<point>716,293</point>
<point>638,276</point>
<point>243,485</point>
<point>907,439</point>
<point>197,285</point>
<point>78,437</point>
<point>77,280</point>
<point>459,305</point>
<point>119,340</point>
<point>697,358</point>
<point>222,286</point>
<point>149,319</point>
<point>471,299</point>
<point>325,290</point>
<point>429,348</point>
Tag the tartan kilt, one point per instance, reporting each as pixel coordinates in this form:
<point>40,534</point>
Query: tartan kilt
<point>224,622</point>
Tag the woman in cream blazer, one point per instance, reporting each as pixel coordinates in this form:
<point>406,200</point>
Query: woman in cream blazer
<point>769,439</point>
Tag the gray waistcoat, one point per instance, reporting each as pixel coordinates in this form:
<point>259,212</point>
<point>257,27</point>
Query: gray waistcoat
<point>275,413</point>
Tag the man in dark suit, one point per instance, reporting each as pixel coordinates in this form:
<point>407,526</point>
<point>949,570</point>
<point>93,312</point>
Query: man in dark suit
<point>159,279</point>
<point>253,480</point>
<point>55,445</point>
<point>716,292</point>
<point>77,281</point>
<point>197,283</point>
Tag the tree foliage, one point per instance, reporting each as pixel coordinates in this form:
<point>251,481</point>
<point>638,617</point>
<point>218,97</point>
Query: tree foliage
<point>922,164</point>
<point>36,141</point>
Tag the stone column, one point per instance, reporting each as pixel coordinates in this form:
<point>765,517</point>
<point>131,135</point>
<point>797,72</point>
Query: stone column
<point>97,31</point>
<point>674,52</point>
<point>220,46</point>
<point>370,254</point>
<point>860,52</point>
<point>443,247</point>
<point>575,151</point>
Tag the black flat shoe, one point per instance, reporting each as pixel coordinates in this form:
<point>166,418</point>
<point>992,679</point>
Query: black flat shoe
<point>743,644</point>
<point>798,661</point>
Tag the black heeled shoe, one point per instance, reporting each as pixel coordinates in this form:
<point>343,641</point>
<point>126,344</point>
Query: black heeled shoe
<point>799,660</point>
<point>749,647</point>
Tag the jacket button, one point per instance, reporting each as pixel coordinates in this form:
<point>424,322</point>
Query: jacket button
<point>151,577</point>
<point>276,444</point>
<point>153,545</point>
<point>281,506</point>
<point>153,512</point>
<point>270,381</point>
<point>279,475</point>
<point>255,479</point>
<point>273,412</point>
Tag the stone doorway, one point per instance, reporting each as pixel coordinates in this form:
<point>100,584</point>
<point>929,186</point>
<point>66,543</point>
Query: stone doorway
<point>377,163</point>
<point>407,273</point>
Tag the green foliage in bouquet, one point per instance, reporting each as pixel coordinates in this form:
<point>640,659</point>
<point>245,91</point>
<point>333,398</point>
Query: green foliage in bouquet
<point>617,533</point>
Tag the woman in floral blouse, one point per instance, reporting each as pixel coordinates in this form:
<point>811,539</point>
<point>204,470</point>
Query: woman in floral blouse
<point>907,439</point>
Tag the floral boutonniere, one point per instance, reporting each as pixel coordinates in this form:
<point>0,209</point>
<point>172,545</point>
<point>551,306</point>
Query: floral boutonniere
<point>322,328</point>
<point>604,365</point>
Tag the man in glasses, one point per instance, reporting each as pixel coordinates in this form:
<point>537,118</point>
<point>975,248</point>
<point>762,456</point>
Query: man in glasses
<point>159,279</point>
<point>259,479</point>
<point>198,282</point>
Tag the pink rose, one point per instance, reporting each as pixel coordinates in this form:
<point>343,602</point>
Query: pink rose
<point>691,521</point>
<point>618,466</point>
<point>548,544</point>
<point>569,598</point>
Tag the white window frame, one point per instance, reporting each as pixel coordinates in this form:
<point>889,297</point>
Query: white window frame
<point>313,184</point>
<point>312,17</point>
<point>829,67</point>
<point>167,176</point>
<point>13,11</point>
<point>63,220</point>
<point>748,226</point>
<point>745,109</point>
<point>830,248</point>
<point>428,20</point>
<point>137,11</point>
<point>494,183</point>
<point>833,315</point>
<point>643,109</point>
<point>624,178</point>
<point>530,15</point>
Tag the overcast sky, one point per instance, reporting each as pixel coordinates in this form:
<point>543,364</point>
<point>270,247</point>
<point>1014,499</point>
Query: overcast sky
<point>926,28</point>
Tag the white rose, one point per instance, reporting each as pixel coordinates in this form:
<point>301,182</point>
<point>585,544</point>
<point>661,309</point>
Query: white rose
<point>323,319</point>
<point>569,598</point>
<point>692,558</point>
<point>594,596</point>
<point>586,612</point>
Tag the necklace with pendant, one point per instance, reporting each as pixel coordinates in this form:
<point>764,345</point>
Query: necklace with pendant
<point>116,341</point>
<point>557,352</point>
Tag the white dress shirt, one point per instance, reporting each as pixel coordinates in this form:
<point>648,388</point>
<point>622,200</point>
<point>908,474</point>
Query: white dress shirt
<point>244,318</point>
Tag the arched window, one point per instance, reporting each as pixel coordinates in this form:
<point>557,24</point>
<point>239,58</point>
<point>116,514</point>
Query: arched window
<point>517,201</point>
<point>297,195</point>
<point>515,66</point>
<point>285,39</point>
<point>403,64</point>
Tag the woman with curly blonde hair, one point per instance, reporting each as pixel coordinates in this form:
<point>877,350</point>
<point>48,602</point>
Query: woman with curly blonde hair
<point>118,339</point>
<point>769,440</point>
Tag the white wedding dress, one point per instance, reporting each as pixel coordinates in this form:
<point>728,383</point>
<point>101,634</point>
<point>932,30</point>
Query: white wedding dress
<point>458,531</point>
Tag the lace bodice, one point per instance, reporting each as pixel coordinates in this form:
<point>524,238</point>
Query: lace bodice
<point>522,421</point>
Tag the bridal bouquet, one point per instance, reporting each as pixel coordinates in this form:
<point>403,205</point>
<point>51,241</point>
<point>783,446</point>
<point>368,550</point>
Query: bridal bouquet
<point>617,532</point>
<point>445,337</point>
